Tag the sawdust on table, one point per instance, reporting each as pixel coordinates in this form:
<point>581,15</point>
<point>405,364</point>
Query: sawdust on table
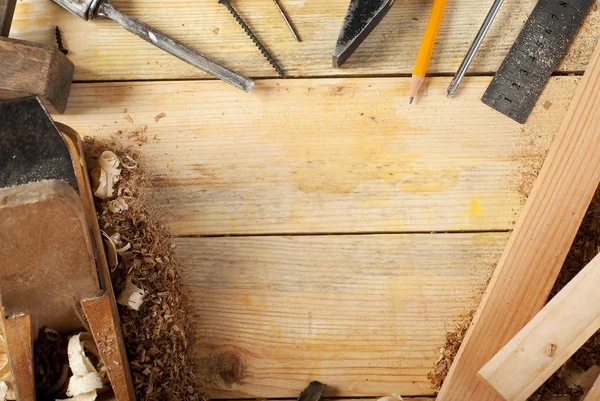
<point>454,339</point>
<point>157,337</point>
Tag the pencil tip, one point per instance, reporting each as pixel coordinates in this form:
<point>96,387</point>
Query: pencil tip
<point>411,99</point>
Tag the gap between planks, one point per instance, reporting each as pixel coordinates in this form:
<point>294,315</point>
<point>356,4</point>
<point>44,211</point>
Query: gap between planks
<point>302,156</point>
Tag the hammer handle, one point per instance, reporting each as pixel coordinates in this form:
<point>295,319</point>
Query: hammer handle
<point>7,9</point>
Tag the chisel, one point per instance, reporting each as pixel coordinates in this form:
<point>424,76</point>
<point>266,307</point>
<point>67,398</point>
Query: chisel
<point>92,9</point>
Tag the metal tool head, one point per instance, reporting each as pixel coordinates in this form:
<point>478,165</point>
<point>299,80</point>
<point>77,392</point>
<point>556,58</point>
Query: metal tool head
<point>313,392</point>
<point>31,147</point>
<point>361,18</point>
<point>85,9</point>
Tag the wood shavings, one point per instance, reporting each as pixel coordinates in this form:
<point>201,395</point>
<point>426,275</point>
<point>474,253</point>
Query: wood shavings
<point>111,250</point>
<point>576,378</point>
<point>51,364</point>
<point>131,166</point>
<point>106,175</point>
<point>448,352</point>
<point>156,337</point>
<point>159,117</point>
<point>3,390</point>
<point>85,380</point>
<point>118,205</point>
<point>132,296</point>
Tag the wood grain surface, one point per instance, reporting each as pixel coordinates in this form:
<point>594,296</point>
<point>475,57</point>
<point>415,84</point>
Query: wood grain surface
<point>549,339</point>
<point>539,244</point>
<point>326,155</point>
<point>366,314</point>
<point>102,50</point>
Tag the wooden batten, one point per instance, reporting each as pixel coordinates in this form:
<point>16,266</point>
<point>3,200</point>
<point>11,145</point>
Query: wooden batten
<point>539,244</point>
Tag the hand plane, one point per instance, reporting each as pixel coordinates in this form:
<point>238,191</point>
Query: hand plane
<point>28,68</point>
<point>53,267</point>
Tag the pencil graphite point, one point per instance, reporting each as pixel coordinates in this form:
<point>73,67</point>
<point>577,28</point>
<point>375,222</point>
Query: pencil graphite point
<point>410,100</point>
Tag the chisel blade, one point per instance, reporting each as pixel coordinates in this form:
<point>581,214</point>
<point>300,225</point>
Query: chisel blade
<point>361,18</point>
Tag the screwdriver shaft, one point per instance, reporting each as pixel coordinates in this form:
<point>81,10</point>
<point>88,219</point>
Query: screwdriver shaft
<point>175,48</point>
<point>287,20</point>
<point>473,49</point>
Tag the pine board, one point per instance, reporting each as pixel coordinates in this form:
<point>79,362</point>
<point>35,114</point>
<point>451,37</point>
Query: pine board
<point>327,155</point>
<point>366,314</point>
<point>539,244</point>
<point>110,53</point>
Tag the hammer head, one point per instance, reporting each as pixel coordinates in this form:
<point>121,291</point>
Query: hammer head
<point>85,9</point>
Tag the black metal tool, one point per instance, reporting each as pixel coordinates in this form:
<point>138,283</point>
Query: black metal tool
<point>313,392</point>
<point>530,62</point>
<point>40,155</point>
<point>361,18</point>
<point>252,36</point>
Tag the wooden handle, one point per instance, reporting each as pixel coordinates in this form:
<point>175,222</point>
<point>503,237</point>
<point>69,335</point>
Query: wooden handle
<point>7,9</point>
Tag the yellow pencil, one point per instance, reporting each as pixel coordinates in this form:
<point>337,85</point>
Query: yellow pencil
<point>433,25</point>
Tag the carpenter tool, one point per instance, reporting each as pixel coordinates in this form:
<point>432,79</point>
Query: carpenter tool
<point>361,18</point>
<point>313,392</point>
<point>28,68</point>
<point>473,49</point>
<point>92,9</point>
<point>287,20</point>
<point>54,270</point>
<point>252,36</point>
<point>531,60</point>
<point>431,30</point>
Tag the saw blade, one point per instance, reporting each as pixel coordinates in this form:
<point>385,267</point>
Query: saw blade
<point>361,18</point>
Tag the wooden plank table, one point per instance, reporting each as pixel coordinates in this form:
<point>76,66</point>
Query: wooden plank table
<point>329,230</point>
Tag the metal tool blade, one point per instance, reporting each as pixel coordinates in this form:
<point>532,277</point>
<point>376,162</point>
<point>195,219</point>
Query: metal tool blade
<point>361,18</point>
<point>313,392</point>
<point>31,147</point>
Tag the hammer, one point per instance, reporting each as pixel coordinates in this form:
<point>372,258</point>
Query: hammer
<point>92,9</point>
<point>28,68</point>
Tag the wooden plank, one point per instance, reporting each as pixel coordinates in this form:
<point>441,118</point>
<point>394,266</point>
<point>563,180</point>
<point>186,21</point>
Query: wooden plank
<point>102,50</point>
<point>549,339</point>
<point>539,244</point>
<point>104,329</point>
<point>18,336</point>
<point>594,393</point>
<point>300,156</point>
<point>7,10</point>
<point>33,69</point>
<point>366,314</point>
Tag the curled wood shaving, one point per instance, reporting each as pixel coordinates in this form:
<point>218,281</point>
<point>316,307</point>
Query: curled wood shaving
<point>132,296</point>
<point>85,380</point>
<point>111,250</point>
<point>131,166</point>
<point>118,205</point>
<point>106,175</point>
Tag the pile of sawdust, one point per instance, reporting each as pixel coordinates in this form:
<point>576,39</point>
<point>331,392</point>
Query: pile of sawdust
<point>448,352</point>
<point>156,337</point>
